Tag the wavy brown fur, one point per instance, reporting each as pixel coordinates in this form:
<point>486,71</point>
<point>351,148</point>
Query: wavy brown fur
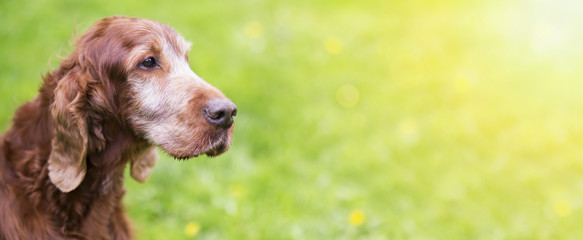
<point>81,121</point>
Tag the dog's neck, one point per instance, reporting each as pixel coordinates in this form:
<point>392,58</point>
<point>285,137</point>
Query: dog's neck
<point>104,179</point>
<point>103,182</point>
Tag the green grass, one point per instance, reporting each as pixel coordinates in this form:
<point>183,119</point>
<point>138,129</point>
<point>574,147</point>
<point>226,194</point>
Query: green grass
<point>465,122</point>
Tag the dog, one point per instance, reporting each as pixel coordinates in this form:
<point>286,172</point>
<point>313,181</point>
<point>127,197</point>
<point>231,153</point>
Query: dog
<point>125,90</point>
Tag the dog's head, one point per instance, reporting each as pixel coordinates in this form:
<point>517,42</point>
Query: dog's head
<point>134,72</point>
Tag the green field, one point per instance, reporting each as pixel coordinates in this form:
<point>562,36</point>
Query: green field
<point>357,119</point>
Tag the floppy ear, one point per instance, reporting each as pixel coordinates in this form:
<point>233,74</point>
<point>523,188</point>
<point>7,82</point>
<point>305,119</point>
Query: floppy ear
<point>141,166</point>
<point>67,165</point>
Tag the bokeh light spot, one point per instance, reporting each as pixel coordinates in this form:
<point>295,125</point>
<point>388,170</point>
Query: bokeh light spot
<point>461,85</point>
<point>191,229</point>
<point>356,217</point>
<point>253,29</point>
<point>347,96</point>
<point>333,45</point>
<point>562,208</point>
<point>409,131</point>
<point>408,126</point>
<point>237,190</point>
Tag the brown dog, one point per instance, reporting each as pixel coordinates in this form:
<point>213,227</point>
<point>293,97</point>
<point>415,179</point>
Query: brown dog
<point>125,89</point>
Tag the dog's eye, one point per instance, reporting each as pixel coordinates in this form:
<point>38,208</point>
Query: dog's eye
<point>149,63</point>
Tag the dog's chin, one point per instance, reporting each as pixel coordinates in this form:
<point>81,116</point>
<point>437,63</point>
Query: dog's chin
<point>212,150</point>
<point>218,149</point>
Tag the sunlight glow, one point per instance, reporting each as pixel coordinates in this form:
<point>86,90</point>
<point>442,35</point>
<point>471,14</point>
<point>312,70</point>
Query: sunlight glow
<point>555,23</point>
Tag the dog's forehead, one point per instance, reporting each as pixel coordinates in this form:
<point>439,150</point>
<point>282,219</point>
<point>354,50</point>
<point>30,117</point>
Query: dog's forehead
<point>177,43</point>
<point>166,36</point>
<point>145,33</point>
<point>143,37</point>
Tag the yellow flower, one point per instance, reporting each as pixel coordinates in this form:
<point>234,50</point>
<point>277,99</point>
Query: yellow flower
<point>253,29</point>
<point>356,218</point>
<point>333,45</point>
<point>347,96</point>
<point>191,229</point>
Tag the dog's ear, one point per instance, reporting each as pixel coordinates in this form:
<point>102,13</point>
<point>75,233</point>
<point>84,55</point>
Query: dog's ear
<point>67,165</point>
<point>141,166</point>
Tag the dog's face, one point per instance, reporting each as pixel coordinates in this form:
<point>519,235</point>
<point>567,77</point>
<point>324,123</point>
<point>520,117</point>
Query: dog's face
<point>170,105</point>
<point>135,71</point>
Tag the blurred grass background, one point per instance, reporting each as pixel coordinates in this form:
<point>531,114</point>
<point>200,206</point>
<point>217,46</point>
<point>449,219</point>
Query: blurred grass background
<point>357,119</point>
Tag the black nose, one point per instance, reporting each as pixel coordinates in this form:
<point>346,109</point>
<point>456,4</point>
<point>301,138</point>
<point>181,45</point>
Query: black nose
<point>220,112</point>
